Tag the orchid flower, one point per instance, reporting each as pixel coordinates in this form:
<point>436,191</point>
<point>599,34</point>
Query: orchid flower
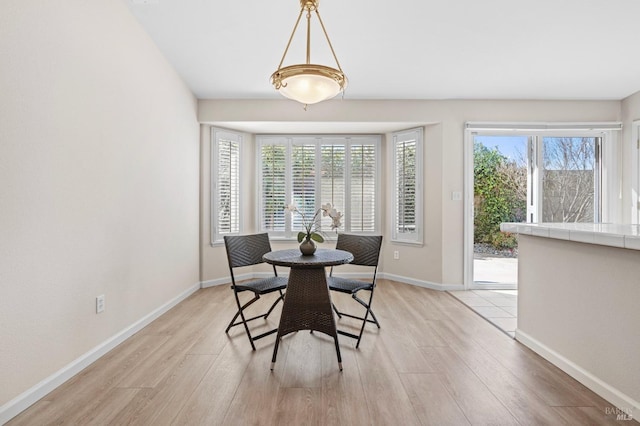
<point>311,226</point>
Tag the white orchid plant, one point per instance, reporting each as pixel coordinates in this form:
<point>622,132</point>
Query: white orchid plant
<point>311,225</point>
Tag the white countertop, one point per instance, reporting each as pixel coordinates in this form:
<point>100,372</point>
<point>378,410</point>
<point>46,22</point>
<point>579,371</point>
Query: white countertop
<point>605,234</point>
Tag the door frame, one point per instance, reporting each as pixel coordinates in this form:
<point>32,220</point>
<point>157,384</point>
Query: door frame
<point>635,172</point>
<point>611,171</point>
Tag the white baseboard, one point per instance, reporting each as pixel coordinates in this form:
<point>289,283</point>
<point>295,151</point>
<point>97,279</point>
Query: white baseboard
<point>421,283</point>
<point>32,395</point>
<point>220,281</point>
<point>605,390</point>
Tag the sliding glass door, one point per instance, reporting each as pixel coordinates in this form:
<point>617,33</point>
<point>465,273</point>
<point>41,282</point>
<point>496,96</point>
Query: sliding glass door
<point>528,178</point>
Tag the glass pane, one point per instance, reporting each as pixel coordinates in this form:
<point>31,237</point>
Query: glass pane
<point>499,184</point>
<point>568,179</point>
<point>499,195</point>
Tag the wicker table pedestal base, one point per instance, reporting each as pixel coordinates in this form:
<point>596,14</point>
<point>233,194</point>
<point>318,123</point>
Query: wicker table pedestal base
<point>307,302</point>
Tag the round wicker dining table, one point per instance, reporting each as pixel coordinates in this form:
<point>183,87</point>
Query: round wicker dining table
<point>307,302</point>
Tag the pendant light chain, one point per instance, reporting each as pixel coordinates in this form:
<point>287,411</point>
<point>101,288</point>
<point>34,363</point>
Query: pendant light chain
<point>295,27</point>
<point>328,41</point>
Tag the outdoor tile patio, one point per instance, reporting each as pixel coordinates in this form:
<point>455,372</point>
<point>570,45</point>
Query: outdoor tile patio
<point>499,307</point>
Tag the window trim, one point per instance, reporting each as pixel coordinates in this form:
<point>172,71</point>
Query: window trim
<point>415,238</point>
<point>317,139</point>
<point>216,133</point>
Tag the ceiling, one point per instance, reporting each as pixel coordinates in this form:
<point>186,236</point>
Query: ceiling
<point>407,49</point>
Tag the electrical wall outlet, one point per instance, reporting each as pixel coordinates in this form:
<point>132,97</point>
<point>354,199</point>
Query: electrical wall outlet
<point>100,304</point>
<point>396,255</point>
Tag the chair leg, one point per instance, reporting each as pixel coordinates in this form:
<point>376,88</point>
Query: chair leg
<point>246,328</point>
<point>240,309</point>
<point>367,306</point>
<point>375,320</point>
<point>281,297</point>
<point>336,310</point>
<point>362,329</point>
<point>244,321</point>
<point>335,339</point>
<point>275,353</point>
<point>366,315</point>
<point>231,324</point>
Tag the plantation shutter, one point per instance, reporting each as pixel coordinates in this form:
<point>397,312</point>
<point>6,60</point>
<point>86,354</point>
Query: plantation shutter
<point>362,194</point>
<point>225,150</point>
<point>312,170</point>
<point>273,191</point>
<point>407,183</point>
<point>303,180</point>
<point>332,178</point>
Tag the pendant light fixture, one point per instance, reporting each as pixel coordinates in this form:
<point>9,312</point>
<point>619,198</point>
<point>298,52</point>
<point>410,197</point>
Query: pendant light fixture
<point>309,83</point>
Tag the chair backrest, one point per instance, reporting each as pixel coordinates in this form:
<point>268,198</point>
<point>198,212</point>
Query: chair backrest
<point>365,248</point>
<point>246,250</point>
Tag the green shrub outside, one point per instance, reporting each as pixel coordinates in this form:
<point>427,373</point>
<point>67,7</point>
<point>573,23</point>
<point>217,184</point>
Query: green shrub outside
<point>498,188</point>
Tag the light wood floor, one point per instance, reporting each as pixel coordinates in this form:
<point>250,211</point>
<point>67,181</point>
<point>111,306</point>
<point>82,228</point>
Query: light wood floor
<point>433,362</point>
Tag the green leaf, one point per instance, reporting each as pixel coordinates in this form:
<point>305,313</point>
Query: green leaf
<point>301,236</point>
<point>317,237</point>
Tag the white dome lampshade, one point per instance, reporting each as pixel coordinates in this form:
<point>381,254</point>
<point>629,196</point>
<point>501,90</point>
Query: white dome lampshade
<point>309,83</point>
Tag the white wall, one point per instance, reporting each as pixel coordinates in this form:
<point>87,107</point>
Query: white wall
<point>577,307</point>
<point>630,113</point>
<point>440,260</point>
<point>98,183</point>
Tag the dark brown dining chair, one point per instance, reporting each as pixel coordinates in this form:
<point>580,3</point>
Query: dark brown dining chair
<point>247,250</point>
<point>366,252</point>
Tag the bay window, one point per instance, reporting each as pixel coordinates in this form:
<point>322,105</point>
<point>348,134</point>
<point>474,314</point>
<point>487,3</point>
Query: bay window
<point>309,171</point>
